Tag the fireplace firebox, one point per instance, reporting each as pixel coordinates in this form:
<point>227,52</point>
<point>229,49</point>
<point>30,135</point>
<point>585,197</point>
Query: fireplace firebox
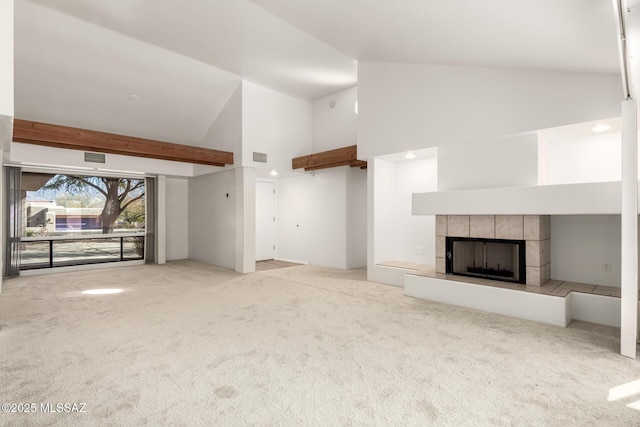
<point>496,259</point>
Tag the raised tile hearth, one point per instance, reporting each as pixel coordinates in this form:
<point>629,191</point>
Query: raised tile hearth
<point>551,287</point>
<point>555,302</point>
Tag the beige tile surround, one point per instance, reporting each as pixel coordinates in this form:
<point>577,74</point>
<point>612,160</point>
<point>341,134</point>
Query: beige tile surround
<point>534,229</point>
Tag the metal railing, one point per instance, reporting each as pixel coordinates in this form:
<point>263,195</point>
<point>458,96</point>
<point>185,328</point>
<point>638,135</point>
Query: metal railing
<point>61,251</point>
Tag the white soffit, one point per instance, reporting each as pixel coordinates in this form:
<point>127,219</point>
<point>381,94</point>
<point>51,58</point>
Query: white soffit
<point>580,130</point>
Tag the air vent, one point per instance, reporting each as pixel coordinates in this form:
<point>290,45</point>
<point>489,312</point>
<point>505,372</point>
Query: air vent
<point>94,157</point>
<point>260,157</point>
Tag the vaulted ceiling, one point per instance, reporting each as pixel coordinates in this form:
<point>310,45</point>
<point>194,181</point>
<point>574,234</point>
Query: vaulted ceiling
<point>163,69</point>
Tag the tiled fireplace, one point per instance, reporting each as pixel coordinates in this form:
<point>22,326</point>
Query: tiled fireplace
<point>534,230</point>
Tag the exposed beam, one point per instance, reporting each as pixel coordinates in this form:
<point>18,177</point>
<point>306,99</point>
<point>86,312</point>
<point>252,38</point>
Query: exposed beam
<point>49,135</point>
<point>329,165</point>
<point>359,164</point>
<point>346,156</point>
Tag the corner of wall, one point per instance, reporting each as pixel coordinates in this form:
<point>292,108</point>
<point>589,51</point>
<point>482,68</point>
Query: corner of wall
<point>356,214</point>
<point>225,132</point>
<point>212,219</point>
<point>334,123</point>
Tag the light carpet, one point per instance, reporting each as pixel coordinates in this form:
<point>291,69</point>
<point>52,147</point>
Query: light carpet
<point>191,344</point>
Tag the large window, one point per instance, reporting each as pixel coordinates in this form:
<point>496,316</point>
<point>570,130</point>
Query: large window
<point>80,219</point>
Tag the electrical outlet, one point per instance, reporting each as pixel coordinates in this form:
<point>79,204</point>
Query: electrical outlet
<point>606,266</point>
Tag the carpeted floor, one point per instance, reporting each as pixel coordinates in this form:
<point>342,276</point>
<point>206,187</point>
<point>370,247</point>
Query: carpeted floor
<point>191,344</point>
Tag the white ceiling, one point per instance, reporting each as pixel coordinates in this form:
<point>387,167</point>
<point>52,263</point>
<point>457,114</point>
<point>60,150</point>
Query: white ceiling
<point>233,35</point>
<point>577,35</point>
<point>78,61</point>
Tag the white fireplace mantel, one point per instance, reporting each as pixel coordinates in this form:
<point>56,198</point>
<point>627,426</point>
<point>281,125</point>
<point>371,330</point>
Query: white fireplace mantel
<point>565,199</point>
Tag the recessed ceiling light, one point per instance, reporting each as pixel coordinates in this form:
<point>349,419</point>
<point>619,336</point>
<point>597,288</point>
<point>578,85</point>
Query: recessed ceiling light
<point>273,173</point>
<point>133,97</point>
<point>102,291</point>
<point>409,155</point>
<point>601,127</point>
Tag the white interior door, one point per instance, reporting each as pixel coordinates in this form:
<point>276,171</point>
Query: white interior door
<point>265,220</point>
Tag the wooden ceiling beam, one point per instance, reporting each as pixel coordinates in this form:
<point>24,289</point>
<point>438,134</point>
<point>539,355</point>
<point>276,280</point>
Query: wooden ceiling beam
<point>359,164</point>
<point>328,165</point>
<point>328,159</point>
<point>50,135</point>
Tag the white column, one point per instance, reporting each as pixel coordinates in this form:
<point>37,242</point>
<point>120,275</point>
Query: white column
<point>161,238</point>
<point>629,225</point>
<point>371,168</point>
<point>245,220</point>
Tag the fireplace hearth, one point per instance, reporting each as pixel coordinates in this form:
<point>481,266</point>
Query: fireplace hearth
<point>496,259</point>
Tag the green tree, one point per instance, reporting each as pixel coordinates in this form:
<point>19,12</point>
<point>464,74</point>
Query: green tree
<point>79,200</point>
<point>133,213</point>
<point>119,193</point>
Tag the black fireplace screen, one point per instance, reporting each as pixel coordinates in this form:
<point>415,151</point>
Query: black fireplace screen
<point>496,259</point>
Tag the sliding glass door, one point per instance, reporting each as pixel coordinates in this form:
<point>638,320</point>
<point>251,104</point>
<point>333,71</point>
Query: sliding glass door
<point>57,220</point>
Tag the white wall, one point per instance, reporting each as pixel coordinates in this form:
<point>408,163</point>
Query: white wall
<point>212,219</point>
<point>312,218</point>
<point>580,244</point>
<point>177,218</point>
<point>6,59</point>
<point>381,191</point>
<point>596,158</point>
<point>398,234</point>
<point>276,124</point>
<point>337,126</point>
<point>356,218</point>
<point>414,235</point>
<point>499,163</point>
<point>226,131</point>
<point>406,106</point>
<point>63,158</point>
